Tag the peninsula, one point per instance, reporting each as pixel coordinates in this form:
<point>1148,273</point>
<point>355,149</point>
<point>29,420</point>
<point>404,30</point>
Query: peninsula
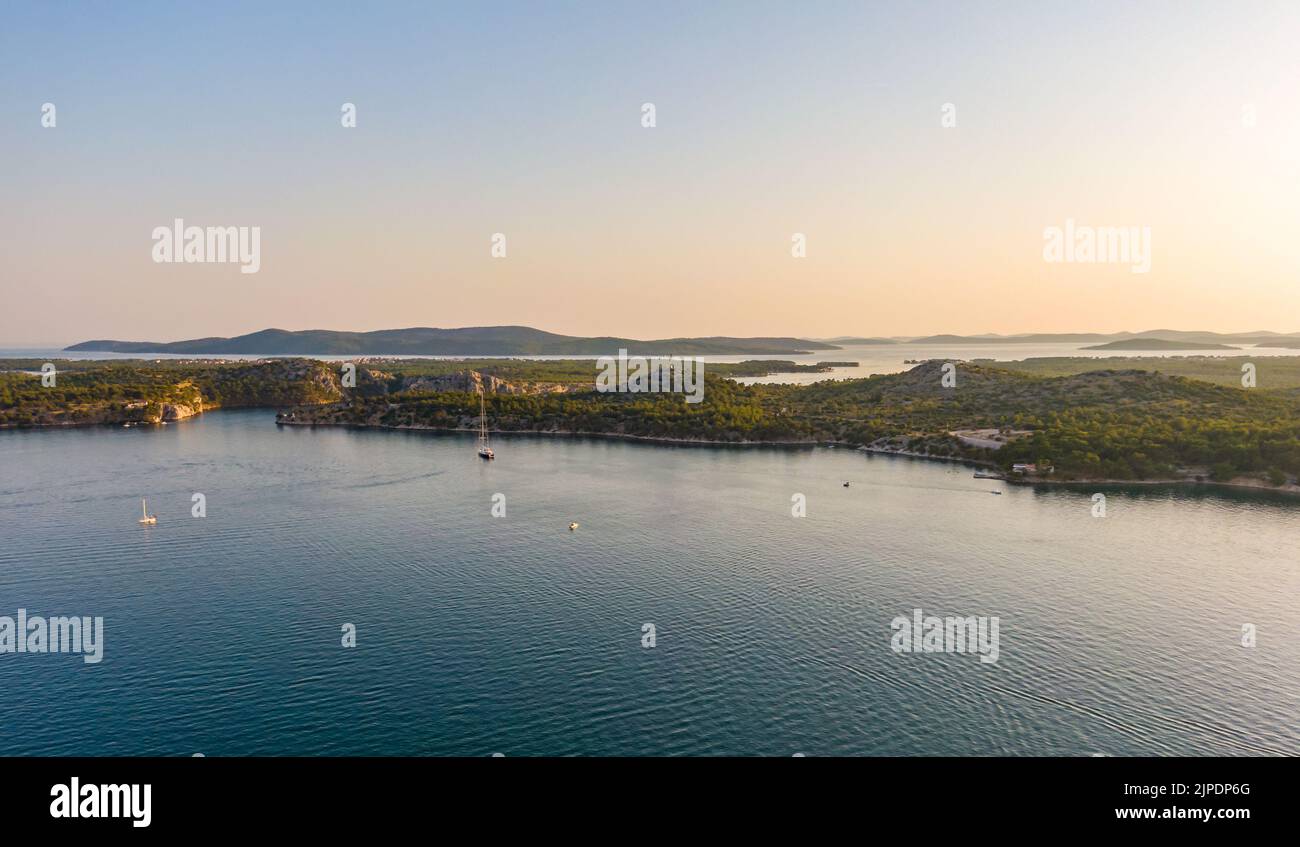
<point>1085,418</point>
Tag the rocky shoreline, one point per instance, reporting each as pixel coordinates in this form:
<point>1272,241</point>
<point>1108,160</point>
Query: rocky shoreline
<point>653,439</point>
<point>174,412</point>
<point>129,415</point>
<point>1240,483</point>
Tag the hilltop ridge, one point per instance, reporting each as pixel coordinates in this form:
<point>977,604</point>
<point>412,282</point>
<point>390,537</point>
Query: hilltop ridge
<point>463,341</point>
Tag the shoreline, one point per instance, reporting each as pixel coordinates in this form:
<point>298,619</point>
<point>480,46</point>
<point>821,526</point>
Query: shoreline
<point>1257,486</point>
<point>1254,485</point>
<point>652,439</point>
<point>912,454</point>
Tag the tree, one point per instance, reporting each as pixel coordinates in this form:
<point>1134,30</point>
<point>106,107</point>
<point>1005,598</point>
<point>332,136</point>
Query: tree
<point>1222,471</point>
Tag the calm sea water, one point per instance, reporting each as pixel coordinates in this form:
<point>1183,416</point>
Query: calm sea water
<point>1119,635</point>
<point>892,358</point>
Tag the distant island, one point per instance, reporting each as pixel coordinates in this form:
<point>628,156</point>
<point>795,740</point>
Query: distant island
<point>769,367</point>
<point>527,341</point>
<point>465,341</point>
<point>1188,339</point>
<point>1158,344</point>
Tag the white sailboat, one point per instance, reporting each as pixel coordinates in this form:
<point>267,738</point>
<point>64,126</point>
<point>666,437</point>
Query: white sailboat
<point>484,449</point>
<point>145,517</point>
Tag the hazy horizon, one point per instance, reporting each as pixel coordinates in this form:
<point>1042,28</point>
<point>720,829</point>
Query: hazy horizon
<point>771,120</point>
<point>842,335</point>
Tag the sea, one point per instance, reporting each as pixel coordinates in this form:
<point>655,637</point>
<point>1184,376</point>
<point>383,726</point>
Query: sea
<point>331,591</point>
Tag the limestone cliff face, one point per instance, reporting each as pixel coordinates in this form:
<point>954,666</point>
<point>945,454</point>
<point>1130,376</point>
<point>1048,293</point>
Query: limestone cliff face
<point>180,411</point>
<point>473,382</point>
<point>186,401</point>
<point>386,400</point>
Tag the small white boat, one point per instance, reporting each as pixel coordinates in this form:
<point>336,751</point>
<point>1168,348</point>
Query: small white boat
<point>146,518</point>
<point>573,526</point>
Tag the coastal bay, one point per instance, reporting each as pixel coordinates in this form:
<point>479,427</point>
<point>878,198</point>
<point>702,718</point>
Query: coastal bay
<point>479,634</point>
<point>1085,421</point>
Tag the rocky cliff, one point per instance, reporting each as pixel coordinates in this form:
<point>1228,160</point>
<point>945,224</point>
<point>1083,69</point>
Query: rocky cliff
<point>473,382</point>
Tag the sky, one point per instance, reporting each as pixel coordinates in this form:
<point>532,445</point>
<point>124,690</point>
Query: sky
<point>771,119</point>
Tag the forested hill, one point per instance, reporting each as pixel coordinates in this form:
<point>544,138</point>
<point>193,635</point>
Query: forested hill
<point>1125,424</point>
<point>152,392</point>
<point>465,341</point>
<point>1111,424</point>
<point>1118,424</point>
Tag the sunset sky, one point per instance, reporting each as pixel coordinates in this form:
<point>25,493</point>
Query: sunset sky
<point>772,119</point>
